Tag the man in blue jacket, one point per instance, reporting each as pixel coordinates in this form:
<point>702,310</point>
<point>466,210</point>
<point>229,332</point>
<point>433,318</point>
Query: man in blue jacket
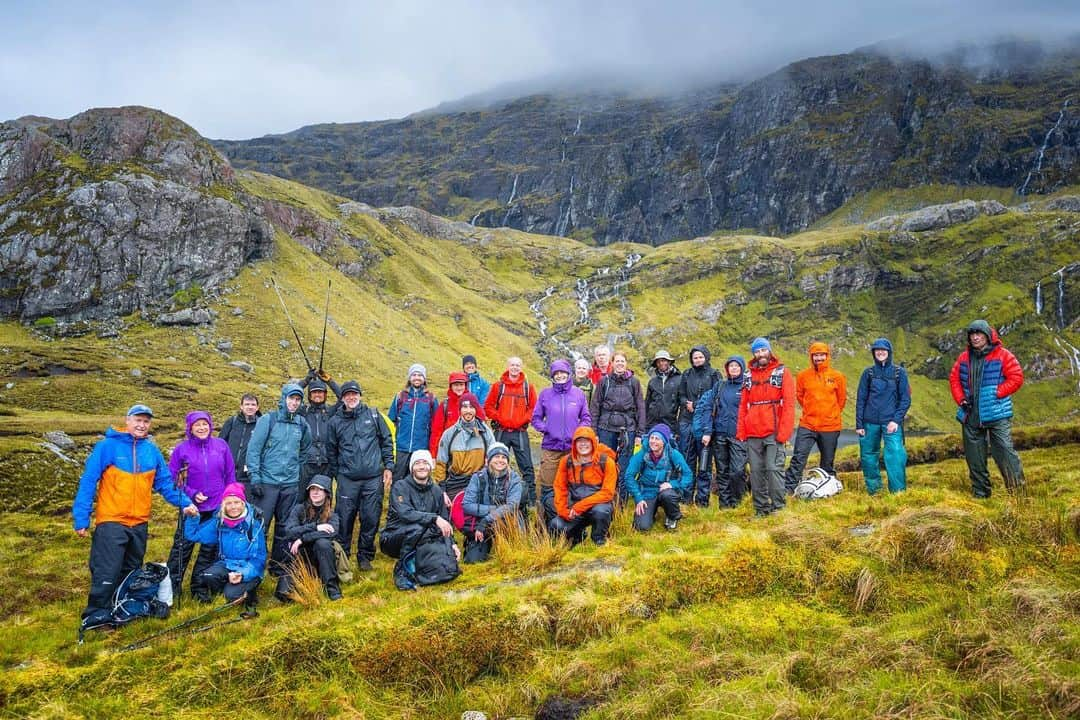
<point>278,448</point>
<point>882,404</point>
<point>411,412</point>
<point>478,386</point>
<point>716,418</point>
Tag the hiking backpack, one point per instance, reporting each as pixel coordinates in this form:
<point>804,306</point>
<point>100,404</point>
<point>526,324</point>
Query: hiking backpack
<point>145,592</point>
<point>818,484</point>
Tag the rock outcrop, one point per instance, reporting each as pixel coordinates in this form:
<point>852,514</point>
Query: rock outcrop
<point>117,210</point>
<point>776,154</point>
<point>936,217</point>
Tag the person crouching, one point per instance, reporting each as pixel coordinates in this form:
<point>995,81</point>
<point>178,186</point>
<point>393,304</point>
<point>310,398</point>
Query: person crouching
<point>311,529</point>
<point>657,477</point>
<point>241,546</point>
<point>492,493</point>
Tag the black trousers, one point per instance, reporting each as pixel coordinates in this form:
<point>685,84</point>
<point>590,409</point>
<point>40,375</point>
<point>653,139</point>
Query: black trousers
<point>216,580</point>
<point>115,551</point>
<point>598,516</point>
<point>666,499</point>
<point>403,539</point>
<point>805,440</point>
<point>319,554</point>
<point>180,556</point>
<point>729,457</point>
<point>363,498</point>
<point>276,504</point>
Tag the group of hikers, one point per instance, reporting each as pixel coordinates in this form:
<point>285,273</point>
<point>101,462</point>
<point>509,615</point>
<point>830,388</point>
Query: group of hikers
<point>311,470</point>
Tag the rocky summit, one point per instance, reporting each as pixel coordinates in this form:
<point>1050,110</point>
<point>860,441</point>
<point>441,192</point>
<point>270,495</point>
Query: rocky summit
<point>114,211</point>
<point>776,154</point>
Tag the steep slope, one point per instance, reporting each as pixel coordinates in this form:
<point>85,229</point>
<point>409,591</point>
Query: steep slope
<point>776,154</point>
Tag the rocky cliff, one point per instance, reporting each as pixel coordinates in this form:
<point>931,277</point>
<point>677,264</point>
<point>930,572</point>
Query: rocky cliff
<point>776,154</point>
<point>117,210</point>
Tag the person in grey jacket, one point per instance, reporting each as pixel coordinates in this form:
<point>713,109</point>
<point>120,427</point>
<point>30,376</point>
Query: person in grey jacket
<point>278,447</point>
<point>361,457</point>
<point>492,493</point>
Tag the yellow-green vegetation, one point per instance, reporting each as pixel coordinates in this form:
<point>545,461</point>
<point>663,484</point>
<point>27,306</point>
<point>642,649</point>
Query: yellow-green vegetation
<point>927,604</point>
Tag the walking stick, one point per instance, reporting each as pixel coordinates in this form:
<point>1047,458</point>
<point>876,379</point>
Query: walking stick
<point>326,316</point>
<point>143,642</point>
<point>291,325</point>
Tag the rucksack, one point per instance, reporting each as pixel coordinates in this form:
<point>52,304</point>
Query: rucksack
<point>431,563</point>
<point>818,484</point>
<point>145,592</point>
<point>502,389</point>
<point>342,564</point>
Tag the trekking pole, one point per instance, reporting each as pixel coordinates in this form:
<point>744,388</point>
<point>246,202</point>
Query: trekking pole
<point>326,316</point>
<point>143,642</point>
<point>291,325</point>
<point>181,481</point>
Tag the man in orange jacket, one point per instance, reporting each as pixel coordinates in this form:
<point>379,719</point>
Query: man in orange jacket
<point>584,488</point>
<point>822,393</point>
<point>509,407</point>
<point>766,421</point>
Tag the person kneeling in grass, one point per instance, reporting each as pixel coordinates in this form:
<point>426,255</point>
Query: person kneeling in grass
<point>312,528</point>
<point>241,547</point>
<point>657,477</point>
<point>492,493</point>
<point>584,489</point>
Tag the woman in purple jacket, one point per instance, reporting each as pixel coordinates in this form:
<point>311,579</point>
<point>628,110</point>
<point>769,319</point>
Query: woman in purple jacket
<point>202,466</point>
<point>560,410</point>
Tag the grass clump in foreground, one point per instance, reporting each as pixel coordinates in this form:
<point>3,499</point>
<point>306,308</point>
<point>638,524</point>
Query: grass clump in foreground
<point>939,606</point>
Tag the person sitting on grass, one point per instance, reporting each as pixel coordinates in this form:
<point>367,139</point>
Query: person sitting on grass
<point>493,493</point>
<point>240,538</point>
<point>657,477</point>
<point>312,528</point>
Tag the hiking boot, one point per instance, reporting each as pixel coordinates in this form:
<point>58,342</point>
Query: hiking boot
<point>365,565</point>
<point>249,613</point>
<point>201,597</point>
<point>671,523</point>
<point>333,592</point>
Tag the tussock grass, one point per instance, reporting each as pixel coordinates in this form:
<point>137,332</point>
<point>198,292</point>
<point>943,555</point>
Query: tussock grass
<point>527,549</point>
<point>307,588</point>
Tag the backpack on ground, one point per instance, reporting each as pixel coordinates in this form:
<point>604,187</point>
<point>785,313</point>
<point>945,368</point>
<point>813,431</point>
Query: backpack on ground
<point>145,592</point>
<point>431,563</point>
<point>818,484</point>
<point>342,564</point>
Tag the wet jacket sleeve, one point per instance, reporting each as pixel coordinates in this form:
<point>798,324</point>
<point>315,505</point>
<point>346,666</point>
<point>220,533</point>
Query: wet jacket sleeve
<point>560,488</point>
<point>258,439</point>
<point>584,416</point>
<point>787,410</point>
<point>163,484</point>
<point>703,420</point>
<point>442,458</point>
<point>639,401</point>
<point>295,527</point>
<point>88,482</point>
<point>204,532</point>
<point>438,424</point>
<point>531,400</point>
<point>632,475</point>
<point>386,445</point>
<point>491,407</point>
<point>392,412</point>
<point>1012,375</point>
<point>594,405</point>
<point>684,478</point>
<point>955,386</point>
<point>471,502</point>
<point>305,439</point>
<point>903,402</point>
<point>740,423</point>
<point>226,428</point>
<point>538,421</point>
<point>255,564</point>
<point>860,398</point>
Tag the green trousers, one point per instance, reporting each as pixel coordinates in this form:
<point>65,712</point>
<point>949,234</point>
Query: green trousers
<point>997,436</point>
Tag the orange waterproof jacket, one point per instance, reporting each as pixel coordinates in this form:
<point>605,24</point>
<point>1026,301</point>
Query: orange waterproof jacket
<point>514,409</point>
<point>767,405</point>
<point>576,477</point>
<point>822,393</point>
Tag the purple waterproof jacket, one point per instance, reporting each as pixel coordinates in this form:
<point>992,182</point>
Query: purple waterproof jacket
<point>560,410</point>
<point>209,464</point>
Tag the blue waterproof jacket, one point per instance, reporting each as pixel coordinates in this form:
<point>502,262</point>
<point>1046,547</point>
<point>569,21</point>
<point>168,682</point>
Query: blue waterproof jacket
<point>411,412</point>
<point>279,444</point>
<point>241,548</point>
<point>717,411</point>
<point>643,476</point>
<point>479,387</point>
<point>884,393</point>
<point>489,498</point>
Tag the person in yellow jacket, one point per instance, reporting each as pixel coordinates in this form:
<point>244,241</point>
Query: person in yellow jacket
<point>822,393</point>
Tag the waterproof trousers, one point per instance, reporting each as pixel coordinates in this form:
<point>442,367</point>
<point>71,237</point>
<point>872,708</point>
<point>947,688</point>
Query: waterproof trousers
<point>766,457</point>
<point>997,437</point>
<point>115,551</point>
<point>363,498</point>
<point>895,458</point>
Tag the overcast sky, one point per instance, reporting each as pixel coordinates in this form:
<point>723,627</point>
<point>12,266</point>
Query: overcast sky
<point>244,69</point>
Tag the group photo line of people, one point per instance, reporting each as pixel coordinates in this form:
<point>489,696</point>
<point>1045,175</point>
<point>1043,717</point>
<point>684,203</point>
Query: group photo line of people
<point>318,473</point>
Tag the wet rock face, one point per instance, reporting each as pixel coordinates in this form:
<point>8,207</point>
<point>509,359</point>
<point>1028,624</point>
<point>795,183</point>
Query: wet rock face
<point>114,211</point>
<point>937,217</point>
<point>776,154</point>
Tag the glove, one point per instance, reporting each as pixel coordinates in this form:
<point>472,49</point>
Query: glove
<point>312,373</point>
<point>965,405</point>
<point>256,491</point>
<point>324,376</point>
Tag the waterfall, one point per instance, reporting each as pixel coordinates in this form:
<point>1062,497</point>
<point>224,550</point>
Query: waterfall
<point>1061,298</point>
<point>475,218</point>
<point>564,223</point>
<point>578,128</point>
<point>1072,354</point>
<point>537,311</point>
<point>1042,150</point>
<point>1038,298</point>
<point>513,190</point>
<point>708,171</point>
<point>582,291</point>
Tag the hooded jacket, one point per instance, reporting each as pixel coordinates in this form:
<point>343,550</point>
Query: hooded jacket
<point>514,409</point>
<point>478,386</point>
<point>412,411</point>
<point>299,526</point>
<point>279,445</point>
<point>581,484</point>
<point>413,503</point>
<point>209,464</point>
<point>661,401</point>
<point>117,481</point>
<point>560,410</point>
<point>237,432</point>
<point>618,404</point>
<point>717,411</point>
<point>241,548</point>
<point>318,417</point>
<point>822,393</point>
<point>358,444</point>
<point>767,405</point>
<point>462,450</point>
<point>694,382</point>
<point>996,373</point>
<point>449,411</point>
<point>884,393</point>
<point>488,498</point>
<point>645,475</point>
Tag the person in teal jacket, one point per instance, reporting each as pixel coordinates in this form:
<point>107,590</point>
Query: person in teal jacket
<point>238,533</point>
<point>279,446</point>
<point>656,477</point>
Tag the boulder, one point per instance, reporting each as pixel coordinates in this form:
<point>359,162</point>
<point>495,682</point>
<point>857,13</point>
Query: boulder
<point>60,439</point>
<point>187,316</point>
<point>937,217</point>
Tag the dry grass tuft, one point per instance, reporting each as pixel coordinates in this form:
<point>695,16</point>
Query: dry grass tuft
<point>307,588</point>
<point>531,548</point>
<point>865,588</point>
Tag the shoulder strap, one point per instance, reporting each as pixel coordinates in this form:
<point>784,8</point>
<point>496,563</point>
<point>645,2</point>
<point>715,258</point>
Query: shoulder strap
<point>502,389</point>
